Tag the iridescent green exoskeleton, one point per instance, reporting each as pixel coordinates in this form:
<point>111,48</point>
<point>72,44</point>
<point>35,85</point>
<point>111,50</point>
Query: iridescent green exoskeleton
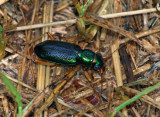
<point>68,54</point>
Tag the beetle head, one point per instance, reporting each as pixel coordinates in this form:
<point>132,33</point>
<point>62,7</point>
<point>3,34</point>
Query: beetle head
<point>97,62</point>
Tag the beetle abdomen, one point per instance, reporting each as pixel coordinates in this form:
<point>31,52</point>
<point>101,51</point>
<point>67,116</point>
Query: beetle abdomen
<point>58,52</point>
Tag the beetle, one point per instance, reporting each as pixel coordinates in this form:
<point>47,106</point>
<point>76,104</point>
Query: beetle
<point>64,53</point>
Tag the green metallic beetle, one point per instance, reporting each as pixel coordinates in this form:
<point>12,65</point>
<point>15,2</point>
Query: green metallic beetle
<point>68,54</point>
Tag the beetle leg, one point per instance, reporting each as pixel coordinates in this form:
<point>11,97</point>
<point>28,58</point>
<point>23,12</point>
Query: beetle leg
<point>44,62</point>
<point>50,36</point>
<point>87,75</point>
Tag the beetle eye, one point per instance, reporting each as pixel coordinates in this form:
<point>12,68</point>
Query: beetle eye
<point>96,67</point>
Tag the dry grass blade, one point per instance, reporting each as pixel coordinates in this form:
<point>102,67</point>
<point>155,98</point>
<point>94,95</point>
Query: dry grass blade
<point>44,71</point>
<point>116,62</point>
<point>143,34</point>
<point>106,24</point>
<point>72,21</point>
